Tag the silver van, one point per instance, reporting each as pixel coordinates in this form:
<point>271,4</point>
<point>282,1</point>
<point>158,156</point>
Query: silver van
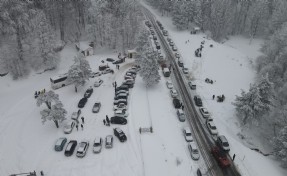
<point>223,143</point>
<point>194,152</point>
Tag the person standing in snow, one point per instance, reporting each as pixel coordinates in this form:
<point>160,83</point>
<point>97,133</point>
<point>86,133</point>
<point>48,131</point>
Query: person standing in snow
<point>77,127</point>
<point>213,96</point>
<point>82,126</point>
<point>104,121</point>
<point>83,119</point>
<point>108,120</point>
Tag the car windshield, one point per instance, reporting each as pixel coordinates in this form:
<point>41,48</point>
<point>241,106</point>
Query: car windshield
<point>188,134</point>
<point>213,127</point>
<point>83,145</point>
<point>195,151</point>
<point>96,144</point>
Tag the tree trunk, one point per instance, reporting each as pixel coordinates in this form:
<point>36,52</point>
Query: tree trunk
<point>56,123</point>
<point>48,104</point>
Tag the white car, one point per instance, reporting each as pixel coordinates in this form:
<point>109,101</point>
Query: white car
<point>121,113</point>
<point>173,93</point>
<point>174,48</point>
<point>109,141</point>
<point>194,152</point>
<point>212,128</point>
<point>68,128</point>
<point>204,112</point>
<point>177,55</point>
<point>181,115</point>
<point>82,150</point>
<point>169,84</point>
<point>187,134</point>
<point>120,106</point>
<point>97,147</point>
<point>98,82</point>
<point>185,70</point>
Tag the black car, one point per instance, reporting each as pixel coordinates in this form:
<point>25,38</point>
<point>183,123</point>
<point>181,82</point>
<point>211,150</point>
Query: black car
<point>82,102</point>
<point>176,103</point>
<point>70,148</point>
<point>197,100</point>
<point>118,61</point>
<point>120,134</point>
<point>118,120</point>
<point>110,59</point>
<point>88,92</point>
<point>123,87</point>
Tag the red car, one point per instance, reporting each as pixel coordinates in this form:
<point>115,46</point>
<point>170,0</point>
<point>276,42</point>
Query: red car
<point>220,157</point>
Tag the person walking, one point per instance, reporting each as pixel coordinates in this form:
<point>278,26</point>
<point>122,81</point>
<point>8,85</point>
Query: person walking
<point>213,96</point>
<point>83,119</point>
<point>36,94</point>
<point>104,121</point>
<point>107,120</point>
<point>182,107</point>
<point>115,84</point>
<point>233,157</point>
<point>82,126</point>
<point>77,127</point>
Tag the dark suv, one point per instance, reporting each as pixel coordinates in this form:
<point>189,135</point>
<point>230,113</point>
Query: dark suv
<point>71,147</point>
<point>197,100</point>
<point>176,103</point>
<point>120,134</point>
<point>88,92</point>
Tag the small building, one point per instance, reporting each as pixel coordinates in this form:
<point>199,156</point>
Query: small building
<point>131,53</point>
<point>85,48</point>
<point>195,30</point>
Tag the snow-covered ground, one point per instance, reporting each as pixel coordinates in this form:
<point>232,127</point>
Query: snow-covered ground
<point>27,145</point>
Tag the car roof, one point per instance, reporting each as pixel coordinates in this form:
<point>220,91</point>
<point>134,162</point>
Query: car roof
<point>109,138</point>
<point>187,130</point>
<point>60,140</point>
<point>192,144</point>
<point>119,130</point>
<point>211,123</point>
<point>223,138</point>
<point>97,140</point>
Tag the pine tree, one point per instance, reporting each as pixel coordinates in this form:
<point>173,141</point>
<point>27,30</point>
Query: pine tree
<point>149,68</point>
<point>280,146</point>
<point>79,73</point>
<point>179,19</point>
<point>142,42</point>
<point>56,114</point>
<point>47,98</point>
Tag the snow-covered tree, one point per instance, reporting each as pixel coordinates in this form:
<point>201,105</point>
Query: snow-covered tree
<point>142,42</point>
<point>279,16</point>
<point>56,114</point>
<point>149,68</point>
<point>280,146</point>
<point>179,17</point>
<point>79,72</point>
<point>251,106</point>
<point>47,98</point>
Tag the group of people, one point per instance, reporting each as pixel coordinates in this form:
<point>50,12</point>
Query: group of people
<point>82,124</point>
<point>106,121</point>
<point>37,93</point>
<point>199,50</point>
<point>207,80</point>
<point>220,98</point>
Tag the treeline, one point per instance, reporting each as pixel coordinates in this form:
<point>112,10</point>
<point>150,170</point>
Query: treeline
<point>33,32</point>
<point>222,18</point>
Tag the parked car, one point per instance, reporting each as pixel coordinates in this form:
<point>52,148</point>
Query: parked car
<point>118,120</point>
<point>76,115</point>
<point>89,92</point>
<point>121,113</point>
<point>187,134</point>
<point>96,107</point>
<point>194,152</point>
<point>103,67</point>
<point>191,85</point>
<point>68,128</point>
<point>97,146</point>
<point>121,97</point>
<point>221,157</point>
<point>212,128</point>
<point>160,57</point>
<point>119,61</point>
<point>82,102</point>
<point>60,143</point>
<point>120,106</point>
<point>107,70</point>
<point>109,141</point>
<point>122,91</point>
<point>123,87</point>
<point>174,48</point>
<point>177,55</point>
<point>120,134</point>
<point>82,150</point>
<point>129,77</point>
<point>181,115</point>
<point>124,101</point>
<point>173,93</point>
<point>169,84</point>
<point>98,82</point>
<point>171,43</point>
<point>176,103</point>
<point>168,39</point>
<point>154,37</point>
<point>180,63</point>
<point>223,143</point>
<point>110,59</point>
<point>185,70</point>
<point>95,74</point>
<point>70,148</point>
<point>204,112</point>
<point>197,100</point>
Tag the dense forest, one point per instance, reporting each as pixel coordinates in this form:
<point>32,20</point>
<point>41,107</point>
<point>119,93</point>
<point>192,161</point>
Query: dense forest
<point>264,106</point>
<point>33,32</point>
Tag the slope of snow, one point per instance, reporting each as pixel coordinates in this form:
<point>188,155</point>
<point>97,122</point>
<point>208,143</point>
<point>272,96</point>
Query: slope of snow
<point>230,66</point>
